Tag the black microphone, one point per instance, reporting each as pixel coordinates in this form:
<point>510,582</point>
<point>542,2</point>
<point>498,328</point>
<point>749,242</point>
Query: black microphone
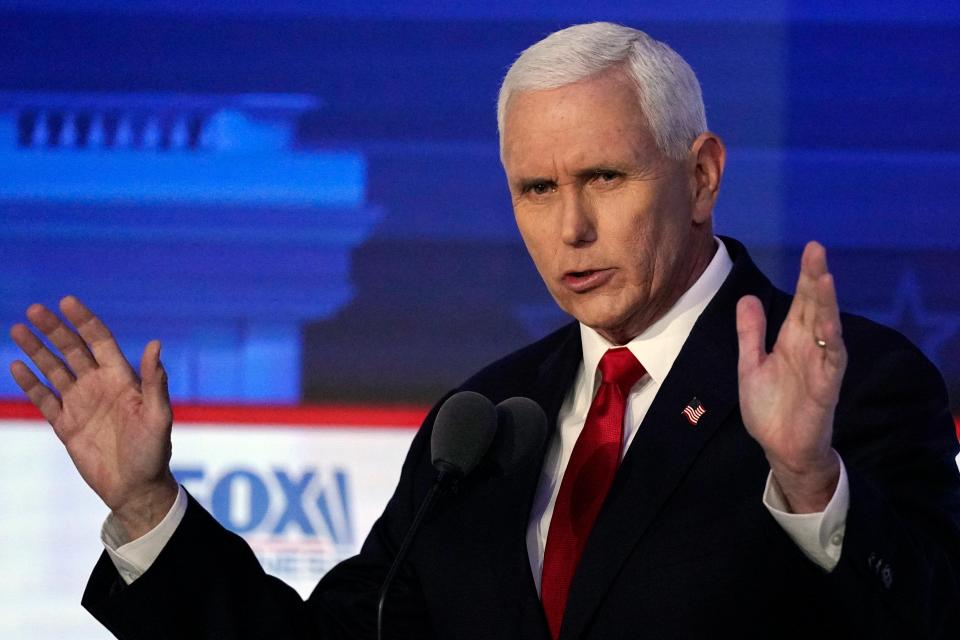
<point>462,432</point>
<point>521,432</point>
<point>466,424</point>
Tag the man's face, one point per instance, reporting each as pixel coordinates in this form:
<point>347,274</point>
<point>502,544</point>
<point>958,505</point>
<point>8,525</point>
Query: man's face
<point>606,217</point>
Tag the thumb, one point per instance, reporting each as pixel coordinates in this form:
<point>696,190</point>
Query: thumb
<point>153,380</point>
<point>751,330</point>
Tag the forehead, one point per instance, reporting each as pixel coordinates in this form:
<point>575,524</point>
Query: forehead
<point>592,121</point>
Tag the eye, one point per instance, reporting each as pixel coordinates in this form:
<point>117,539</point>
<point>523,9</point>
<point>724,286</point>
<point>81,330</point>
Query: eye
<point>604,175</point>
<point>539,188</point>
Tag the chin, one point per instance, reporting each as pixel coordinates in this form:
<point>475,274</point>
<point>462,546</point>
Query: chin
<point>603,323</point>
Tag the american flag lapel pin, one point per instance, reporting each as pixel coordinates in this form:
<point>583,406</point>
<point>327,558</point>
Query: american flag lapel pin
<point>694,411</point>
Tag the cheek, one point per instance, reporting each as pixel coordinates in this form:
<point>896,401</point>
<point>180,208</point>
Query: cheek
<point>537,237</point>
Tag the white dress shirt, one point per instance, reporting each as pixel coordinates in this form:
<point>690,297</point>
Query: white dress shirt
<point>819,535</point>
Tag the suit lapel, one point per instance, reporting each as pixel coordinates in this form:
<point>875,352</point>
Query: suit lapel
<point>666,444</point>
<point>554,377</point>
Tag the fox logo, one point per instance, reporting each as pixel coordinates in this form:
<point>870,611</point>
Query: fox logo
<point>275,503</point>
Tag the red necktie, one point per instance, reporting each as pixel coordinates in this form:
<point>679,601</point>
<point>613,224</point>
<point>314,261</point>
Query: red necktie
<point>586,481</point>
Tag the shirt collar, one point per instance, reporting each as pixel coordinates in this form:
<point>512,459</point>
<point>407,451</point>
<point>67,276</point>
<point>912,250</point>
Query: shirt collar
<point>659,345</point>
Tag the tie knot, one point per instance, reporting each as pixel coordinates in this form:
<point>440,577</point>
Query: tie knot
<point>620,367</point>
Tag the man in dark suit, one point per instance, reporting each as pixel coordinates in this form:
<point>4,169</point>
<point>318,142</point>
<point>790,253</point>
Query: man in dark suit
<point>709,468</point>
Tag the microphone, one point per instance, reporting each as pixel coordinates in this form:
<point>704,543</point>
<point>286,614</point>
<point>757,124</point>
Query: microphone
<point>521,432</point>
<point>462,432</point>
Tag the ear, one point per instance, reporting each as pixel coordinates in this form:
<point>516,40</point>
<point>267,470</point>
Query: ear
<point>707,158</point>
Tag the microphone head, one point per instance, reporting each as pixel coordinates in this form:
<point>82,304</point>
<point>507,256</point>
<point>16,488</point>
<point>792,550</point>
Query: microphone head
<point>521,432</point>
<point>465,426</point>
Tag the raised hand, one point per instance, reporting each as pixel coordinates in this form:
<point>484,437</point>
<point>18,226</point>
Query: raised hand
<point>115,426</point>
<point>788,396</point>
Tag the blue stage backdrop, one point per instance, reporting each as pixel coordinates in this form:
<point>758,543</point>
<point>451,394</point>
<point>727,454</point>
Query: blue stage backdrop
<point>304,199</point>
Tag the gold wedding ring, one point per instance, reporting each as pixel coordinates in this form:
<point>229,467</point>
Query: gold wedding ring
<point>820,342</point>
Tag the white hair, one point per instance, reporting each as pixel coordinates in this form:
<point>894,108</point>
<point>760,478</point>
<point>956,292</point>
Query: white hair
<point>667,89</point>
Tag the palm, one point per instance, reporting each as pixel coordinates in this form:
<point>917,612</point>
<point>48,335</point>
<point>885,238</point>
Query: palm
<point>109,435</point>
<point>791,387</point>
<point>116,430</point>
<point>787,396</point>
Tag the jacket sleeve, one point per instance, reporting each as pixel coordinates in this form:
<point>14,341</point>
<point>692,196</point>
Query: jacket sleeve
<point>899,569</point>
<point>207,583</point>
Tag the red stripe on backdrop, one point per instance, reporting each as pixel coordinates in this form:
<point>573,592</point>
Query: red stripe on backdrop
<point>377,416</point>
<point>401,416</point>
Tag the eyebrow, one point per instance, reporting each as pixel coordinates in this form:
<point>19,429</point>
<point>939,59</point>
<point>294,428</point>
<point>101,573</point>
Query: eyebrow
<point>526,183</point>
<point>589,172</point>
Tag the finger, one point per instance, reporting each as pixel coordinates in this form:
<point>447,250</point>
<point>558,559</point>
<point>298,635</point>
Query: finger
<point>52,367</point>
<point>813,263</point>
<point>153,377</point>
<point>38,393</point>
<point>96,334</point>
<point>814,259</point>
<point>751,333</point>
<point>829,329</point>
<point>63,338</point>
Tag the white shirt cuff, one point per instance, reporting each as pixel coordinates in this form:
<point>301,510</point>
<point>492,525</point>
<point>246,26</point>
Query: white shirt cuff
<point>132,558</point>
<point>819,535</point>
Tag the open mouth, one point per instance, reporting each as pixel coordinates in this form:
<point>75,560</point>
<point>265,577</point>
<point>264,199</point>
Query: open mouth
<point>581,281</point>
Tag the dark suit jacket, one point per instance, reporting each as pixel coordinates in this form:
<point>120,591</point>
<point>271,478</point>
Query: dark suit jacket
<point>683,547</point>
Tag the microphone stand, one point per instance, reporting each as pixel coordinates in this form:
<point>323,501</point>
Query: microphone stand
<point>444,478</point>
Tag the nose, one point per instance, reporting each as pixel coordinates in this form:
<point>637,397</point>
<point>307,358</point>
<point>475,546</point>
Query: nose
<point>578,222</point>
